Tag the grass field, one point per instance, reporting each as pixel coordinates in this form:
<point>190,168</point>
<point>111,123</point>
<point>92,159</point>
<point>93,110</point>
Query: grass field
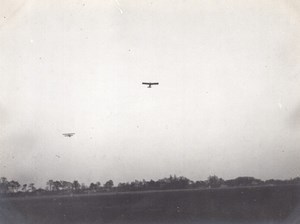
<point>266,204</point>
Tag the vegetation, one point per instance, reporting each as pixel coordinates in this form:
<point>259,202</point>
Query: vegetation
<point>14,188</point>
<point>263,204</point>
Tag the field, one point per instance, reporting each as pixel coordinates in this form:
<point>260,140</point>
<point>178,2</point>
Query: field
<point>265,204</point>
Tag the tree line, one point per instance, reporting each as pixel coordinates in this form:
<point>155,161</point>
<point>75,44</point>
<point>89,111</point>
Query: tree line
<point>13,187</point>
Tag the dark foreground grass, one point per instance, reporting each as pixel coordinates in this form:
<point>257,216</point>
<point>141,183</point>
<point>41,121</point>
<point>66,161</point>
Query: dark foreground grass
<point>259,205</point>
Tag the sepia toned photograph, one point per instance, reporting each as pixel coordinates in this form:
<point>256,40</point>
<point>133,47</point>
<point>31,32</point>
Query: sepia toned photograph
<point>149,112</point>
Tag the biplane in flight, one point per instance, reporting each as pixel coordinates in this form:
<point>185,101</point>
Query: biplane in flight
<point>68,134</point>
<point>150,84</point>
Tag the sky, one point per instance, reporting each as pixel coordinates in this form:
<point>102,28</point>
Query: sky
<point>227,103</point>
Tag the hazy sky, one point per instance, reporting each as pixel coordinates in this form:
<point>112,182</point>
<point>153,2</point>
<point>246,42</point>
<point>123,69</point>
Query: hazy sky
<point>228,102</point>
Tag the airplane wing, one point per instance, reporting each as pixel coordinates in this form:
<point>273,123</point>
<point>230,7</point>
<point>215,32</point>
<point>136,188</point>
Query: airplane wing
<point>146,83</point>
<point>154,83</point>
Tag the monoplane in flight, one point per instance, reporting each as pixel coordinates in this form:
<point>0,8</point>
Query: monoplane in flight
<point>150,84</point>
<point>68,134</point>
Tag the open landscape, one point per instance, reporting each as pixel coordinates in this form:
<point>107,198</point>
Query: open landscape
<point>262,204</point>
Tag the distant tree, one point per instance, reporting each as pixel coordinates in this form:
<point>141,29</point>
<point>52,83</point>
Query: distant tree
<point>243,181</point>
<point>3,180</point>
<point>200,184</point>
<point>98,184</point>
<point>24,187</point>
<point>136,185</point>
<point>83,187</point>
<point>153,184</point>
<point>13,186</point>
<point>66,185</point>
<point>93,187</point>
<point>40,191</point>
<point>50,184</point>
<point>108,185</point>
<point>214,181</point>
<point>145,184</point>
<point>75,186</point>
<point>57,185</point>
<point>163,183</point>
<point>31,187</point>
<point>3,185</point>
<point>275,182</point>
<point>182,183</point>
<point>123,186</point>
<point>295,180</point>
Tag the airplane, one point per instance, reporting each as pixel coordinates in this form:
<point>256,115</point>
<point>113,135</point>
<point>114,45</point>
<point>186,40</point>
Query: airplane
<point>68,134</point>
<point>150,84</point>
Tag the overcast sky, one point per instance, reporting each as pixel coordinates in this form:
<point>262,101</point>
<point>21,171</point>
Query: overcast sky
<point>227,103</point>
